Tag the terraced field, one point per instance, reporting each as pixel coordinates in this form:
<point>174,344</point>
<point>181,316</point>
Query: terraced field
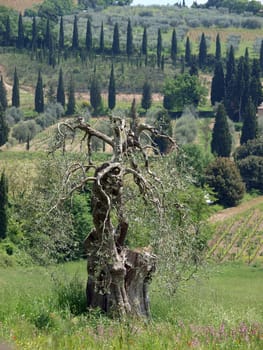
<point>238,237</point>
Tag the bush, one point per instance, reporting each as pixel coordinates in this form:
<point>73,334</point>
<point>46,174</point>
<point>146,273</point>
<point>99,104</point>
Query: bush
<point>251,170</point>
<point>223,176</point>
<point>186,127</point>
<point>251,148</point>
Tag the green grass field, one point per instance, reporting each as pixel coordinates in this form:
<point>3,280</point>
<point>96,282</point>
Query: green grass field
<point>41,309</point>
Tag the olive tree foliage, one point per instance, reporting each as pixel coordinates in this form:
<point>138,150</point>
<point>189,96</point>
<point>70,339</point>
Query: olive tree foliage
<point>129,199</point>
<point>186,127</point>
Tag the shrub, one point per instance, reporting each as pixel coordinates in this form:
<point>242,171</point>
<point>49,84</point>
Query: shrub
<point>252,147</point>
<point>251,170</point>
<point>223,176</point>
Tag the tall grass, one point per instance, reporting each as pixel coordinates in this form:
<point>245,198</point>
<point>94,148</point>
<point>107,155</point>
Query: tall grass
<point>43,309</point>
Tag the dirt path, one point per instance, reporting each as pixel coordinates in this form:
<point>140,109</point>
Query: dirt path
<point>227,213</point>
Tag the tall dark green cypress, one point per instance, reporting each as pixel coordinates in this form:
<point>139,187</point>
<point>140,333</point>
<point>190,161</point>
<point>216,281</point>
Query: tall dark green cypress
<point>95,95</point>
<point>88,37</point>
<point>20,33</point>
<point>60,89</point>
<point>202,57</point>
<point>75,35</point>
<point>129,39</point>
<point>146,96</point>
<point>15,91</point>
<point>61,38</point>
<point>116,40</point>
<point>4,129</point>
<point>3,94</point>
<point>71,97</point>
<point>7,35</point>
<point>221,138</point>
<point>34,34</point>
<point>218,48</point>
<point>48,36</point>
<point>39,94</point>
<point>218,84</point>
<point>187,56</point>
<point>51,53</point>
<point>261,56</point>
<point>174,46</point>
<point>159,48</point>
<point>255,87</point>
<point>101,38</point>
<point>144,42</point>
<point>112,90</point>
<point>230,66</point>
<point>3,206</point>
<point>250,126</point>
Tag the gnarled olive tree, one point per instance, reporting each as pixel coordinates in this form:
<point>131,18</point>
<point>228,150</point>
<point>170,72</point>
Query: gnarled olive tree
<point>117,276</point>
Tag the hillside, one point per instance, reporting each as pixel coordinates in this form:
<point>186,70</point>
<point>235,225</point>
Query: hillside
<point>20,5</point>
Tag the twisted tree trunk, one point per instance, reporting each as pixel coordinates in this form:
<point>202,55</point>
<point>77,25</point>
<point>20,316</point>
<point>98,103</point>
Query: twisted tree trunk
<point>117,277</point>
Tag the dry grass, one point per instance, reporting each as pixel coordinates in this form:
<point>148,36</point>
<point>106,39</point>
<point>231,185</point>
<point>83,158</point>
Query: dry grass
<point>20,5</point>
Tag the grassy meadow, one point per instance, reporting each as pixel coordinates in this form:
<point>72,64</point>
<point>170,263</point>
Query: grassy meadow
<point>42,308</point>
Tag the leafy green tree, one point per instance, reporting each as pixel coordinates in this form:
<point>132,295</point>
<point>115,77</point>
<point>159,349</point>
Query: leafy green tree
<point>3,94</point>
<point>95,95</point>
<point>202,58</point>
<point>112,90</point>
<point>116,40</point>
<point>61,40</point>
<point>101,38</point>
<point>39,94</point>
<point>187,56</point>
<point>146,95</point>
<point>4,129</point>
<point>88,37</point>
<point>182,91</point>
<point>60,89</point>
<point>250,127</point>
<point>75,35</point>
<point>129,39</point>
<point>218,48</point>
<point>144,42</point>
<point>15,91</point>
<point>221,137</point>
<point>174,46</point>
<point>251,170</point>
<point>25,131</point>
<point>20,33</point>
<point>71,97</point>
<point>218,84</point>
<point>3,205</point>
<point>223,176</point>
<point>159,48</point>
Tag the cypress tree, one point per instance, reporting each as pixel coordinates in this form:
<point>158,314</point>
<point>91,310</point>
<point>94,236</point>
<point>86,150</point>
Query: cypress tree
<point>187,56</point>
<point>71,97</point>
<point>7,37</point>
<point>116,40</point>
<point>3,206</point>
<point>129,39</point>
<point>174,46</point>
<point>202,58</point>
<point>95,95</point>
<point>218,48</point>
<point>218,84</point>
<point>221,137</point>
<point>75,35</point>
<point>15,91</point>
<point>61,40</point>
<point>112,90</point>
<point>88,37</point>
<point>144,42</point>
<point>146,96</point>
<point>159,48</point>
<point>39,95</point>
<point>4,129</point>
<point>51,53</point>
<point>194,66</point>
<point>20,33</point>
<point>48,36</point>
<point>255,84</point>
<point>60,89</point>
<point>250,126</point>
<point>230,66</point>
<point>3,94</point>
<point>261,56</point>
<point>34,33</point>
<point>101,38</point>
